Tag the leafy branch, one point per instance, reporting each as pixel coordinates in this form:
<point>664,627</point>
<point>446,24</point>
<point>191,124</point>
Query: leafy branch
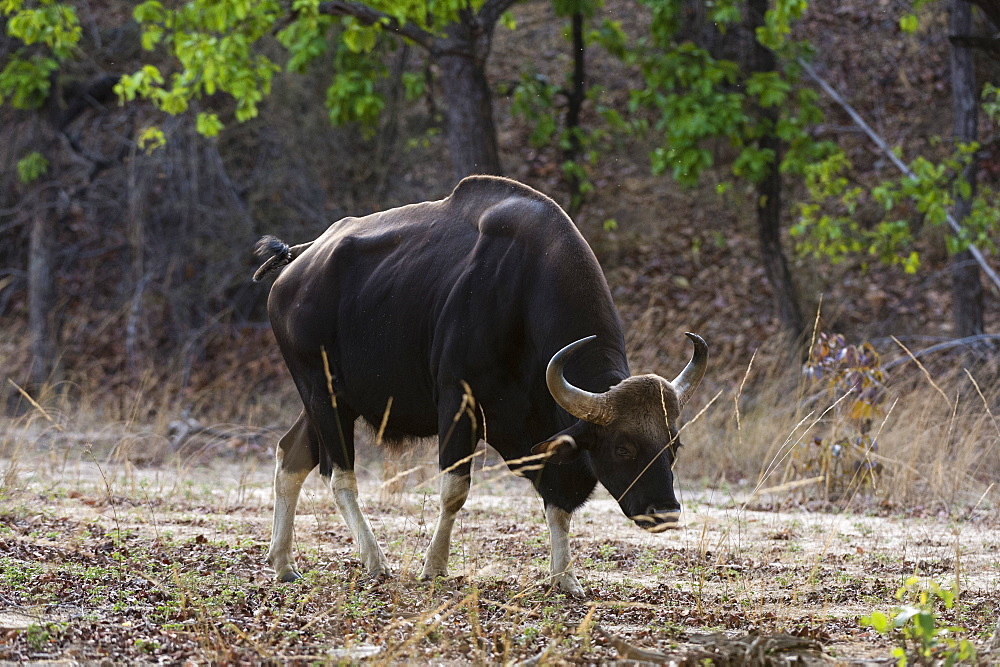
<point>930,187</point>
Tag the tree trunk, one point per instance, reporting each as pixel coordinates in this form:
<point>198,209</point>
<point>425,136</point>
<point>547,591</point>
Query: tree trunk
<point>461,55</point>
<point>575,98</point>
<point>41,299</point>
<point>769,194</point>
<point>472,136</point>
<point>769,236</point>
<point>966,286</point>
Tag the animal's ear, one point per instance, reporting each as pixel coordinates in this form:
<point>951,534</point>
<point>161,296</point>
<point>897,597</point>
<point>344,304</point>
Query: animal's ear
<point>560,449</point>
<point>566,445</point>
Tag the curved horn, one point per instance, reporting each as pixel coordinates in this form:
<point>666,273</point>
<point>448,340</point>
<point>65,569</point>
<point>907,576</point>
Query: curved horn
<point>594,408</point>
<point>685,383</point>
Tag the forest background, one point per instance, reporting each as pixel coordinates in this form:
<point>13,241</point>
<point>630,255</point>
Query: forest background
<point>810,186</point>
<point>146,147</point>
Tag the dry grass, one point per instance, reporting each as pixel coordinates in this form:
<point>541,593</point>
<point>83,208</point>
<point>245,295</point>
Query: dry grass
<point>937,430</point>
<point>937,434</point>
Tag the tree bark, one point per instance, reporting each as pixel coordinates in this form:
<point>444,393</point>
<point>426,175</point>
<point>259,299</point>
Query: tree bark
<point>769,237</point>
<point>472,136</point>
<point>41,299</point>
<point>966,286</point>
<point>575,97</point>
<point>461,55</point>
<point>768,203</point>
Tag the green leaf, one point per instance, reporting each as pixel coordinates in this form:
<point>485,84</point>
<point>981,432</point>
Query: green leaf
<point>878,621</point>
<point>508,21</point>
<point>151,138</point>
<point>26,83</point>
<point>908,23</point>
<point>925,625</point>
<point>151,37</point>
<point>31,167</point>
<point>54,24</point>
<point>208,124</point>
<point>359,38</point>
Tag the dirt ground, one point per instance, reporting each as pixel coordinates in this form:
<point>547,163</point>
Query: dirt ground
<point>106,561</point>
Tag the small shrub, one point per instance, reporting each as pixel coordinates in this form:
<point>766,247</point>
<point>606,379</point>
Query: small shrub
<point>916,627</point>
<point>848,389</point>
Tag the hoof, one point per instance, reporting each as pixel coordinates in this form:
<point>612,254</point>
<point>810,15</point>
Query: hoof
<point>568,584</point>
<point>431,575</point>
<point>379,578</point>
<point>288,576</point>
<point>378,570</point>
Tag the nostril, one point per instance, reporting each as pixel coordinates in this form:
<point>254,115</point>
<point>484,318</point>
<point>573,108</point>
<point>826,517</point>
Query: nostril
<point>664,512</point>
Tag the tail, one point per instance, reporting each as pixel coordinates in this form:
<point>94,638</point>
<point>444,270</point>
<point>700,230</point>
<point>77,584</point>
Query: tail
<point>278,254</point>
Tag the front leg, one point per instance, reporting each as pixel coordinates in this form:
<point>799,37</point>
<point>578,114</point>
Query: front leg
<point>454,491</point>
<point>562,576</point>
<point>345,490</point>
<point>458,434</point>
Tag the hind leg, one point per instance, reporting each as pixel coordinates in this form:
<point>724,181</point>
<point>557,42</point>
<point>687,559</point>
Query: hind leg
<point>345,490</point>
<point>295,460</point>
<point>333,428</point>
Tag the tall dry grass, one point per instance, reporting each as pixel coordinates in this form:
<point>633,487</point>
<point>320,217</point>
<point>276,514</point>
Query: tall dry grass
<point>747,429</point>
<point>936,431</point>
<point>156,415</point>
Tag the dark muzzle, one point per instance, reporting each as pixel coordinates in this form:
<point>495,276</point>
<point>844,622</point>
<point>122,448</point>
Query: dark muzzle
<point>657,520</point>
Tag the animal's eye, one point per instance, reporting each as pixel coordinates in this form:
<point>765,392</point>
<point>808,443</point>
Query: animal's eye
<point>624,452</point>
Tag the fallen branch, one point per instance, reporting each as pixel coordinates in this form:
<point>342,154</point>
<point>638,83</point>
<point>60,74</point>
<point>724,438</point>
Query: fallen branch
<point>183,429</point>
<point>947,345</point>
<point>884,147</point>
<point>629,652</point>
<point>719,649</point>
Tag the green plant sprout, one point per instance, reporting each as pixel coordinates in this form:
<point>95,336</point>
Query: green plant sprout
<point>916,626</point>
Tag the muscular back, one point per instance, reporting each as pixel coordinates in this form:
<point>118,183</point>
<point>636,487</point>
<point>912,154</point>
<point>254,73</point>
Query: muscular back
<point>481,287</point>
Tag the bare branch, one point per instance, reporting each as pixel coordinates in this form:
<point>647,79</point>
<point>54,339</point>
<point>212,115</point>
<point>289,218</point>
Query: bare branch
<point>491,11</point>
<point>370,16</point>
<point>991,8</point>
<point>985,43</point>
<point>629,652</point>
<point>969,341</point>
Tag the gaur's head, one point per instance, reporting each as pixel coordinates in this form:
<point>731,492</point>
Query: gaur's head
<point>631,433</point>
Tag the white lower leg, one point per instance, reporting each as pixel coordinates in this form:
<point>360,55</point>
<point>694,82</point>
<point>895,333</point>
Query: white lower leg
<point>454,491</point>
<point>286,496</point>
<point>345,491</point>
<point>562,575</point>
